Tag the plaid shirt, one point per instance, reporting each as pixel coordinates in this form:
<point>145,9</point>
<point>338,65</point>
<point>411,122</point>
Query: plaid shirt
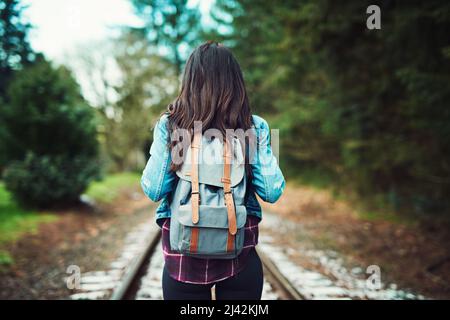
<point>204,271</point>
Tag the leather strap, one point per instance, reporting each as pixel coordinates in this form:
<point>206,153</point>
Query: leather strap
<point>230,242</point>
<point>194,239</point>
<point>226,180</point>
<point>195,196</point>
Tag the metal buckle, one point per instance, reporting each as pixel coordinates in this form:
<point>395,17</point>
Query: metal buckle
<point>198,196</point>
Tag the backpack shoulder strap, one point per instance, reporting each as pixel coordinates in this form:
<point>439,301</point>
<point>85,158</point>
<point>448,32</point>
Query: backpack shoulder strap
<point>226,180</point>
<point>195,196</point>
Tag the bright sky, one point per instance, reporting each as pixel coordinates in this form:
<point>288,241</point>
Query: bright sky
<point>62,25</point>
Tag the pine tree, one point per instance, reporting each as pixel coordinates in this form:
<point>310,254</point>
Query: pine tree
<point>49,137</point>
<point>171,25</point>
<point>15,49</point>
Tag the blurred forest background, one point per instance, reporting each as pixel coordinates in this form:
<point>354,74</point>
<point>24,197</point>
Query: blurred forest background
<point>363,114</point>
<point>366,111</point>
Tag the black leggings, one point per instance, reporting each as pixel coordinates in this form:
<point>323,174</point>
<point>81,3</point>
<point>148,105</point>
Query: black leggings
<point>246,285</point>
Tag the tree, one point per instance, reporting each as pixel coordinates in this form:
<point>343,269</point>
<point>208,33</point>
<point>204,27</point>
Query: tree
<point>149,83</point>
<point>367,107</point>
<point>15,50</point>
<point>170,25</point>
<point>130,86</point>
<point>252,30</point>
<point>49,138</point>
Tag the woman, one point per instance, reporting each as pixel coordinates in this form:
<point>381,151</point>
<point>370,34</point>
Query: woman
<point>213,92</point>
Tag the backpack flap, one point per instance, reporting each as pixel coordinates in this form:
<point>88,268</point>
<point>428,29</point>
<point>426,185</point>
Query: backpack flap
<point>211,238</point>
<point>210,167</point>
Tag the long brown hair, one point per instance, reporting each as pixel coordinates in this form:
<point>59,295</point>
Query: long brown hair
<point>212,91</point>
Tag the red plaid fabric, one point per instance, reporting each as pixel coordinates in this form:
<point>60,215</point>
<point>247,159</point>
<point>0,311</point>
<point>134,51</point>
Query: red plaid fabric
<point>204,271</point>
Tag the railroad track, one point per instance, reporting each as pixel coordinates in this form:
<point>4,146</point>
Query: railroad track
<point>274,276</point>
<point>134,278</point>
<point>136,273</point>
<point>129,286</point>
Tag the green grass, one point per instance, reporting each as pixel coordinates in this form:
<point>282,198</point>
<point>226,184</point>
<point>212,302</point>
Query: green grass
<point>106,190</point>
<point>310,176</point>
<point>15,222</point>
<point>390,216</point>
<point>5,259</point>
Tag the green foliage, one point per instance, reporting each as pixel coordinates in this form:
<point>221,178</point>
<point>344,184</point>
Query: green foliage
<point>369,107</point>
<point>127,108</point>
<point>15,50</point>
<point>148,84</point>
<point>46,115</point>
<point>171,25</point>
<point>48,137</point>
<point>45,181</point>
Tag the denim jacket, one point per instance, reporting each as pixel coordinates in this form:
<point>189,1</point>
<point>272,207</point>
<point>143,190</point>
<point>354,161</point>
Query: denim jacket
<point>158,181</point>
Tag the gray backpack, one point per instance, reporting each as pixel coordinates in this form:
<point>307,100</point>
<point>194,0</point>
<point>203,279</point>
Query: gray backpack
<point>207,209</point>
